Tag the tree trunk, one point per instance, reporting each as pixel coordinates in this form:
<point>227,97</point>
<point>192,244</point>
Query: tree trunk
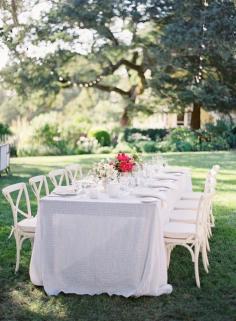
<point>196,116</point>
<point>125,121</point>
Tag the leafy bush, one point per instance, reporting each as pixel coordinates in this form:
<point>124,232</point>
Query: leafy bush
<point>151,134</point>
<point>181,140</point>
<point>4,130</point>
<point>87,145</point>
<point>102,136</point>
<point>104,150</point>
<point>124,148</point>
<point>146,147</point>
<point>220,131</point>
<point>216,143</point>
<point>72,129</point>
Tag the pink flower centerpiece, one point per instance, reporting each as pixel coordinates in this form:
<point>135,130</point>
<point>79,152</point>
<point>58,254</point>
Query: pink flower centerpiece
<point>124,163</point>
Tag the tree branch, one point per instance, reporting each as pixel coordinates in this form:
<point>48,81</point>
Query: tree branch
<point>112,88</point>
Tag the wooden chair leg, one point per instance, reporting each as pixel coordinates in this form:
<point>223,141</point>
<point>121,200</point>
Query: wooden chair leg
<point>204,258</point>
<point>18,249</point>
<point>196,266</point>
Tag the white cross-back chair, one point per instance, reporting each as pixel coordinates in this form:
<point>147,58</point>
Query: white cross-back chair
<point>74,172</point>
<point>58,177</point>
<point>190,201</point>
<point>192,236</point>
<point>39,186</point>
<point>25,228</point>
<point>210,183</point>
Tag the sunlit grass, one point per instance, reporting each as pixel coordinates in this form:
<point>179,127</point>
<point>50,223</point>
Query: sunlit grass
<point>215,301</point>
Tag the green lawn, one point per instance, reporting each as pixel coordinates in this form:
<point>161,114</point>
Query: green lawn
<point>216,300</point>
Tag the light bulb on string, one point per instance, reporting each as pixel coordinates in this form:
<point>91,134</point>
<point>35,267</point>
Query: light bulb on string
<point>60,78</point>
<point>81,85</point>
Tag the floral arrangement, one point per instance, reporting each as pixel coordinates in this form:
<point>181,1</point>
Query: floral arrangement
<point>123,163</point>
<point>111,169</point>
<point>105,170</point>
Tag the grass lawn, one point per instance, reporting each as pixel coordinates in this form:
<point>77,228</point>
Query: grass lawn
<point>215,301</point>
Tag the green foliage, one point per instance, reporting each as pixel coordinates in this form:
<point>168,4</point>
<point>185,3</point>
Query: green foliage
<point>219,136</point>
<point>181,140</point>
<point>215,301</point>
<point>178,54</point>
<point>87,145</point>
<point>4,130</point>
<point>216,143</point>
<point>104,150</point>
<point>134,134</point>
<point>124,148</point>
<point>102,136</point>
<point>147,147</point>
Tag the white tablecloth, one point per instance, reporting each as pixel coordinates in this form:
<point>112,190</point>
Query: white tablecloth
<point>112,246</point>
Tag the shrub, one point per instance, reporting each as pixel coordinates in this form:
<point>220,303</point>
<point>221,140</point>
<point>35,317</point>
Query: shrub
<point>4,130</point>
<point>86,145</point>
<point>147,147</point>
<point>216,143</point>
<point>222,130</point>
<point>151,134</point>
<point>102,136</point>
<point>124,148</point>
<point>104,150</point>
<point>48,138</point>
<point>181,140</point>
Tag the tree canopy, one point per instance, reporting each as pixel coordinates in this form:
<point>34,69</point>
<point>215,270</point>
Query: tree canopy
<point>196,56</point>
<point>143,51</point>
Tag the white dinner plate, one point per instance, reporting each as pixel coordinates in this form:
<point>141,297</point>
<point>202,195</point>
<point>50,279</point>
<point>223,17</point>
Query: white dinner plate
<point>149,200</point>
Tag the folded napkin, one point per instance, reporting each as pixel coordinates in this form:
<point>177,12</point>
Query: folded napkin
<point>147,192</point>
<point>161,183</point>
<point>165,177</point>
<point>64,190</point>
<point>176,170</point>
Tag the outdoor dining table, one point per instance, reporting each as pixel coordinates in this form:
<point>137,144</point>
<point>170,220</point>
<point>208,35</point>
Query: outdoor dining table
<point>105,245</point>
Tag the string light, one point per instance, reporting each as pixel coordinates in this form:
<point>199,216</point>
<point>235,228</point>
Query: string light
<point>199,76</point>
<point>80,84</point>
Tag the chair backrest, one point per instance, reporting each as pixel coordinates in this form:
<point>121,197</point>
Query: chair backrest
<point>204,209</point>
<point>38,184</point>
<point>74,172</point>
<point>216,168</point>
<point>58,177</point>
<point>210,182</point>
<point>14,195</point>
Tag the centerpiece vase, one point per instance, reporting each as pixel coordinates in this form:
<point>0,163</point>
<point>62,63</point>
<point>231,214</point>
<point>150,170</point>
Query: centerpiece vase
<point>105,182</point>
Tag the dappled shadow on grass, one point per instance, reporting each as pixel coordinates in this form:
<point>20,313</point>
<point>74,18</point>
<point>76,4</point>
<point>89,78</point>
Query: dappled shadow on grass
<point>215,301</point>
<point>204,160</point>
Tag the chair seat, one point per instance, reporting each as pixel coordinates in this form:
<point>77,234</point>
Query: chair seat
<point>185,216</point>
<point>179,230</point>
<point>191,196</point>
<point>28,225</point>
<point>187,205</point>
